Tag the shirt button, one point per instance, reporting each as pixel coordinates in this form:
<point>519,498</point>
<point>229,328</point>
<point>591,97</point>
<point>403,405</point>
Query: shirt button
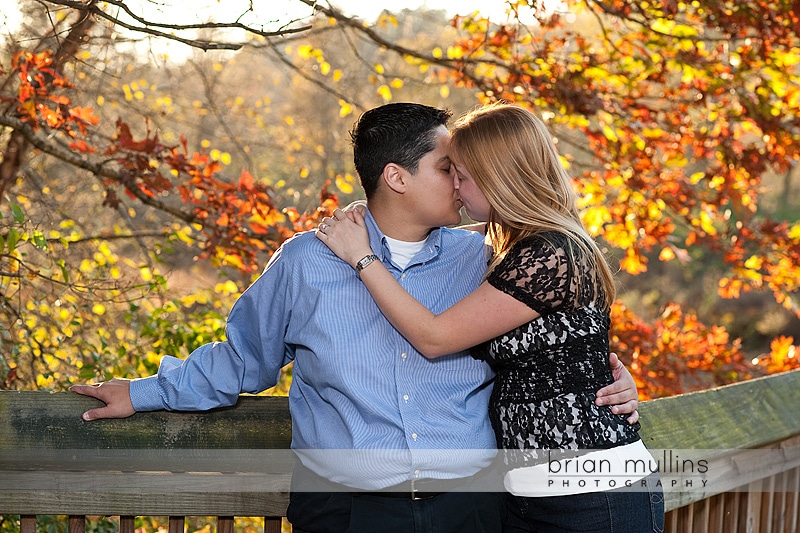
<point>416,473</point>
<point>405,397</point>
<point>403,355</point>
<point>402,276</point>
<point>414,436</point>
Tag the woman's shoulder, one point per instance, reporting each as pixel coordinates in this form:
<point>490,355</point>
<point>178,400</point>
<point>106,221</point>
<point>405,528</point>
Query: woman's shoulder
<point>546,241</point>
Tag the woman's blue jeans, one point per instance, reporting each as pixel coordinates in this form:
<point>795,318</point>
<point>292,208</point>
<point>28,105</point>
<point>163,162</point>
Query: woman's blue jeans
<point>638,509</point>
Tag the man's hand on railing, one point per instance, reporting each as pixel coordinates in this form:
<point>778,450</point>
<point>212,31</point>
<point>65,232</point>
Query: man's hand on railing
<point>622,395</point>
<point>115,394</point>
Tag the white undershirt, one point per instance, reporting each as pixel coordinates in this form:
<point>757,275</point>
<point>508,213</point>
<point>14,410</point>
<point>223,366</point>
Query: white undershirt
<point>403,251</point>
<point>596,471</point>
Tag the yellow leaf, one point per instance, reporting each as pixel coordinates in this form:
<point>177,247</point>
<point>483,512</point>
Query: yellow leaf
<point>676,160</point>
<point>344,108</point>
<point>233,260</point>
<point>666,254</point>
<point>754,262</point>
<point>595,217</point>
<point>229,287</point>
<point>632,263</point>
<point>455,52</point>
<point>707,223</point>
<point>343,185</point>
<point>305,51</point>
<point>99,309</point>
<point>385,93</point>
<point>610,134</point>
<point>696,177</point>
<point>444,91</point>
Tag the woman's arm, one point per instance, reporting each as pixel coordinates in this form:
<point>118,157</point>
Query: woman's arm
<point>460,327</point>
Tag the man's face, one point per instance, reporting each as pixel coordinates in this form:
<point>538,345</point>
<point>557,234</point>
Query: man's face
<point>435,199</point>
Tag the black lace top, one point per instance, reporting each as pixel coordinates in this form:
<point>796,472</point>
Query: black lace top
<point>548,370</point>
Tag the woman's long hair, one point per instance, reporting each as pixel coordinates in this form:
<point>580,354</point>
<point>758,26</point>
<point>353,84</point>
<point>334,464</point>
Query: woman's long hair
<point>511,155</point>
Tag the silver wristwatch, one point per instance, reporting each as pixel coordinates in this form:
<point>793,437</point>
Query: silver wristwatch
<point>364,262</point>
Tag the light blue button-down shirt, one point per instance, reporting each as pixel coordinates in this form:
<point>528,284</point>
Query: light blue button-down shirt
<point>367,409</point>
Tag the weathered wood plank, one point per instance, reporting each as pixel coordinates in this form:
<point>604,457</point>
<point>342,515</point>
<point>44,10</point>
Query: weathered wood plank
<point>76,524</point>
<point>218,463</point>
<point>36,420</point>
<point>750,414</point>
<point>723,426</point>
<point>224,524</point>
<point>27,523</point>
<point>127,524</point>
<point>176,524</point>
<point>273,524</point>
<point>82,500</point>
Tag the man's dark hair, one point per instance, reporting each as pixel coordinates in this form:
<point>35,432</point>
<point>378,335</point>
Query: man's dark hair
<point>400,133</point>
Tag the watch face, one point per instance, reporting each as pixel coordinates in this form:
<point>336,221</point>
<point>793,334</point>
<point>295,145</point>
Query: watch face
<point>365,261</point>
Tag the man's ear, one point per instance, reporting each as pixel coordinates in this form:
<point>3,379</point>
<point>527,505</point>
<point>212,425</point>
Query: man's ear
<point>395,177</point>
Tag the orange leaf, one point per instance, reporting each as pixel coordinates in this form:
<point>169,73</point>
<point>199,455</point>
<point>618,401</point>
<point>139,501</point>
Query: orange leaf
<point>86,114</point>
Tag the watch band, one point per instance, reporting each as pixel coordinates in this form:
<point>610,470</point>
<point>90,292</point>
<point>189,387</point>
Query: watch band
<point>365,261</point>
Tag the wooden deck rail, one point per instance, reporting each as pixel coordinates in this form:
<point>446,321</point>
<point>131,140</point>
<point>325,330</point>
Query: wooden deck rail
<point>233,462</point>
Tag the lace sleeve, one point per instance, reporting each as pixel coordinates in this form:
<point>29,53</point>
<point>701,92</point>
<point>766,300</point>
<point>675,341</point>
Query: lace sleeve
<point>537,272</point>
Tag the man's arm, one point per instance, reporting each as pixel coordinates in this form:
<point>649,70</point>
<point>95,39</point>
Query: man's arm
<point>216,373</point>
<point>622,395</point>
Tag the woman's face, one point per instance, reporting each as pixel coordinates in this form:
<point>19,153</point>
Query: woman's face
<point>475,203</point>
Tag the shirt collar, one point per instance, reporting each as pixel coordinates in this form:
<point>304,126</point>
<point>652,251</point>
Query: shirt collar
<point>377,241</point>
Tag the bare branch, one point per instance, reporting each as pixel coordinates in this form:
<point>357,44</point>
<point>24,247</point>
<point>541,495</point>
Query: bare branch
<point>98,169</point>
<point>149,27</point>
<point>105,236</point>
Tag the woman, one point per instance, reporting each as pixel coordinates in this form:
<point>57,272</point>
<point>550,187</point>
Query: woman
<point>541,319</point>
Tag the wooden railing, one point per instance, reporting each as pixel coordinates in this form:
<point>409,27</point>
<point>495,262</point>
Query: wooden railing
<point>234,462</point>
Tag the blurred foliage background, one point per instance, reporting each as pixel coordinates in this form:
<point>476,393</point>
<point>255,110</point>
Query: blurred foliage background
<point>152,162</point>
<point>154,156</point>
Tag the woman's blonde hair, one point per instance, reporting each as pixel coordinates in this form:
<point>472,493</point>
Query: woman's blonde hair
<point>511,155</point>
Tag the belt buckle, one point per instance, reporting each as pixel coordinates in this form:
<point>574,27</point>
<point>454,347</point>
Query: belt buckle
<point>415,492</point>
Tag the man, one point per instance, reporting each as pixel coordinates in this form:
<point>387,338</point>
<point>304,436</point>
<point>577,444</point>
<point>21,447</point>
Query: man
<point>387,439</point>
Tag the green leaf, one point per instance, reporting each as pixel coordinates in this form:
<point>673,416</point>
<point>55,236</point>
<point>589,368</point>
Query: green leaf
<point>19,215</point>
<point>64,271</point>
<point>39,240</point>
<point>11,239</point>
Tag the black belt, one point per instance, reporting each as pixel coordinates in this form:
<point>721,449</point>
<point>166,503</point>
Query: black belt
<point>422,489</point>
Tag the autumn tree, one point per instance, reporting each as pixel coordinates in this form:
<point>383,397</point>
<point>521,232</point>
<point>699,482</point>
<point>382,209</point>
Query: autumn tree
<point>117,167</point>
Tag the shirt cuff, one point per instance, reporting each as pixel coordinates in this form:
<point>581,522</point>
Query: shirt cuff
<point>144,394</point>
